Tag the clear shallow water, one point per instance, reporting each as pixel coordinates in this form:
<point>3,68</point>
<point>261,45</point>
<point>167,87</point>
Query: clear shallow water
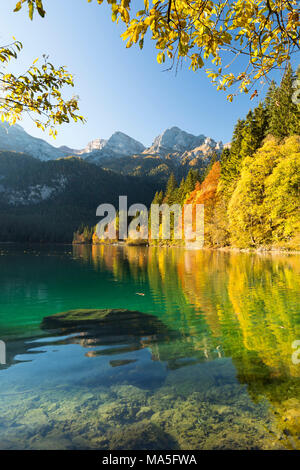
<point>215,372</point>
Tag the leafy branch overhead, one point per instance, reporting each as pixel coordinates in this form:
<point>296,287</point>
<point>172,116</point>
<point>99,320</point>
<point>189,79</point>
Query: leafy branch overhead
<point>32,5</point>
<point>38,91</point>
<point>259,35</point>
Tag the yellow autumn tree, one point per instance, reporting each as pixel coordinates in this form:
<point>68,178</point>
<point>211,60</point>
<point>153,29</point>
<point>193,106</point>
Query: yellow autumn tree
<point>282,192</point>
<point>264,207</point>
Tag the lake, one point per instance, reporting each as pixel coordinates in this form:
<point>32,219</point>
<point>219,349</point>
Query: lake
<point>207,364</point>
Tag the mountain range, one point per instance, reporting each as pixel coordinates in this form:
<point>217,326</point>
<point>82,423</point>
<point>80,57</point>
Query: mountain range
<point>46,192</point>
<point>172,142</point>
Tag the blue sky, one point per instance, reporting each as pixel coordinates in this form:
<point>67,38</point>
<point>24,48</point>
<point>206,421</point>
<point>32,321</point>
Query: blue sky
<point>120,89</point>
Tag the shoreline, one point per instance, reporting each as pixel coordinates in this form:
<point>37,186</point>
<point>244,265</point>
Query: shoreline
<point>226,249</point>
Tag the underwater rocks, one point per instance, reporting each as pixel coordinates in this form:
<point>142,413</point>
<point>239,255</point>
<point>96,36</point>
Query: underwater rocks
<point>142,436</point>
<point>199,406</point>
<point>124,416</point>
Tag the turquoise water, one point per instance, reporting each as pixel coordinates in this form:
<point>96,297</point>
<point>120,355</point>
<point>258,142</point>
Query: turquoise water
<point>214,369</point>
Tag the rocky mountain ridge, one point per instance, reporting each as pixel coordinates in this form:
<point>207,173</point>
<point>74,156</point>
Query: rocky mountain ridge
<point>15,138</point>
<point>173,142</point>
<point>118,145</point>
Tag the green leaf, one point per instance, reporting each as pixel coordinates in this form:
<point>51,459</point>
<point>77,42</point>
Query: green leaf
<point>31,10</point>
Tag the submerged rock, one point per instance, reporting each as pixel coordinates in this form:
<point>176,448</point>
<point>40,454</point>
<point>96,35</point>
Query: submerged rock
<point>116,334</point>
<point>124,331</point>
<point>115,321</point>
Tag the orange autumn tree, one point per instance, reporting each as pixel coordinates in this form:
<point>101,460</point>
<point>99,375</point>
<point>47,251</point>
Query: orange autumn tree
<point>206,193</point>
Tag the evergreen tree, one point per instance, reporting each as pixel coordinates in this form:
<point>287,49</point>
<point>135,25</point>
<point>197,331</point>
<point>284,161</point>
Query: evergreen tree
<point>284,114</point>
<point>250,140</point>
<point>231,162</point>
<point>269,103</point>
<point>181,192</point>
<point>171,190</point>
<point>190,182</point>
<point>158,198</point>
<point>261,123</point>
<point>237,139</point>
<point>224,156</point>
<point>196,173</point>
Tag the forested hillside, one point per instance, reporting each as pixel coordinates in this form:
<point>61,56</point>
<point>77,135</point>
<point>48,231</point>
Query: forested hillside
<point>250,193</point>
<point>47,201</point>
<point>251,196</point>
